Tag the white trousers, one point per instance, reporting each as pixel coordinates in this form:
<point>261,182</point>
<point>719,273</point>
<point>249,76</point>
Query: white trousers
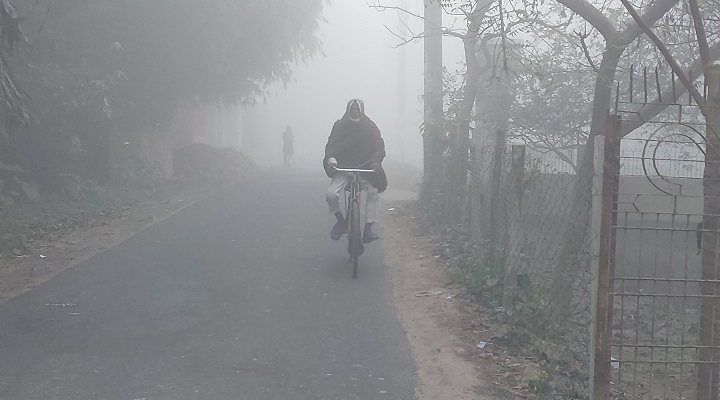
<point>337,185</point>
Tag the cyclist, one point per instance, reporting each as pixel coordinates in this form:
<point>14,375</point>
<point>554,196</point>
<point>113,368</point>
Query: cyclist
<point>355,142</point>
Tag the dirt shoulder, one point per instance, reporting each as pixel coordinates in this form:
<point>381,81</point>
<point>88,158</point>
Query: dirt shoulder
<point>456,342</point>
<point>429,312</point>
<point>46,256</point>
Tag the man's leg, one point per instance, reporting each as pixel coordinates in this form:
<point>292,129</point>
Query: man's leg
<point>337,185</point>
<point>371,211</point>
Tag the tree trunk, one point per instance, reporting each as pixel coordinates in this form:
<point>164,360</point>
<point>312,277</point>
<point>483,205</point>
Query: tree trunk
<point>571,254</point>
<point>460,163</point>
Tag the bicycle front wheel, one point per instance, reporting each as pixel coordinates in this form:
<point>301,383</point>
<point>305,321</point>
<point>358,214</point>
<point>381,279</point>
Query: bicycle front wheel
<point>354,236</point>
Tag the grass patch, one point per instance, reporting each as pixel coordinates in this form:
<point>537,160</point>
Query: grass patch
<point>23,224</point>
<point>482,279</point>
<point>541,383</point>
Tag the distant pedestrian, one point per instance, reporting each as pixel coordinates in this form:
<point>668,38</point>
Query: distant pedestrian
<point>288,149</point>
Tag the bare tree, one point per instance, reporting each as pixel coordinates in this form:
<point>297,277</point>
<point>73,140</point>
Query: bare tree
<point>616,43</point>
<point>483,21</point>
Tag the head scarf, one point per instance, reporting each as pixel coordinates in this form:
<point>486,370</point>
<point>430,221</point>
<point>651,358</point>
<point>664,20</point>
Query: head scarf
<point>360,104</point>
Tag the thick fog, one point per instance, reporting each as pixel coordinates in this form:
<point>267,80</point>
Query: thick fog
<point>361,59</point>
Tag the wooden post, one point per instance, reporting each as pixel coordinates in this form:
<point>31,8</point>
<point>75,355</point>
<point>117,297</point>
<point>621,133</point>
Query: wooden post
<point>512,235</point>
<point>497,202</point>
<point>603,299</point>
<point>708,358</point>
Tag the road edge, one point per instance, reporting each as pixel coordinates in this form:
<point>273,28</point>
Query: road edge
<point>425,306</point>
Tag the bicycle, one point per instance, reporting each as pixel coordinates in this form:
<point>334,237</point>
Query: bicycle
<point>352,215</point>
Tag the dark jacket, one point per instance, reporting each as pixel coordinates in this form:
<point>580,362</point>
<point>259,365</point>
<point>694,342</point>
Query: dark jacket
<point>357,144</point>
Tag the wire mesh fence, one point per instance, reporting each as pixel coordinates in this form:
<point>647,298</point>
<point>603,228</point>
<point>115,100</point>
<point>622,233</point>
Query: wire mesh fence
<point>534,227</point>
<point>614,277</point>
<point>537,225</point>
<point>530,224</point>
<point>548,275</point>
<point>656,345</point>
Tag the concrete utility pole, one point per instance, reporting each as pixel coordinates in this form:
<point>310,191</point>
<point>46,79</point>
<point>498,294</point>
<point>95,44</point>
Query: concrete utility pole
<point>433,107</point>
<point>401,88</point>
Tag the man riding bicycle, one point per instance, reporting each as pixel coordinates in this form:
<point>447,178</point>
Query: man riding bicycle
<point>355,142</point>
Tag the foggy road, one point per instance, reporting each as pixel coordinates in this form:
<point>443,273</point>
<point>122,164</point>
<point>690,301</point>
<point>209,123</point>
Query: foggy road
<point>241,296</point>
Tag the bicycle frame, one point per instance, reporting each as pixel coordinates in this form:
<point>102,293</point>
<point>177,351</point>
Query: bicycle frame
<point>354,193</point>
<point>354,184</point>
<point>352,213</point>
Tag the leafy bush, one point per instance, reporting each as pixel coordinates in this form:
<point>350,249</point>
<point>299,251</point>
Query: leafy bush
<point>541,384</point>
<point>484,280</point>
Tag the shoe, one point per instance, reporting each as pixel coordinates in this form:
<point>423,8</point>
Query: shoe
<point>369,236</point>
<point>338,230</point>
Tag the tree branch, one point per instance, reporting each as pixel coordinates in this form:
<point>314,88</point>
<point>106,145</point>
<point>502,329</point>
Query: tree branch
<point>587,52</point>
<point>404,41</point>
<point>382,8</point>
<point>458,35</point>
<point>700,33</point>
<point>546,147</point>
<point>699,99</point>
<point>558,153</point>
<point>652,14</point>
<point>593,16</point>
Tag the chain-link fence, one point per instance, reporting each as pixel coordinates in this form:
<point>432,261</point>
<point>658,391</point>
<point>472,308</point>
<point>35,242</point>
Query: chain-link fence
<point>609,276</point>
<point>539,232</point>
<point>530,231</point>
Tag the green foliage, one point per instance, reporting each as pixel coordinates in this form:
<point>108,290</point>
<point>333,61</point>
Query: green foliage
<point>99,72</point>
<point>147,57</point>
<point>525,307</point>
<point>541,384</point>
<point>528,310</point>
<point>23,224</point>
<point>484,280</point>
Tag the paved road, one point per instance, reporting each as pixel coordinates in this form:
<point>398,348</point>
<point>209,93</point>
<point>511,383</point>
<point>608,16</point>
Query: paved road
<point>241,296</point>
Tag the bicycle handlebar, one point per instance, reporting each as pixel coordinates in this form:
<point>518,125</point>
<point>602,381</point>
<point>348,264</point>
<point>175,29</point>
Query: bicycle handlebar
<point>352,170</point>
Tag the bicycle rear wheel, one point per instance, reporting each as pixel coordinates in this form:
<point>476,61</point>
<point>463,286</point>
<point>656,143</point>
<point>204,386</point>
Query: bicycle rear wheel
<point>354,236</point>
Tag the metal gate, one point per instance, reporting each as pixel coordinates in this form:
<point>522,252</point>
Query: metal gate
<point>661,320</point>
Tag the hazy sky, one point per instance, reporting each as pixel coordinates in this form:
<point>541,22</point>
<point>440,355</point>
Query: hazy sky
<point>361,60</point>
